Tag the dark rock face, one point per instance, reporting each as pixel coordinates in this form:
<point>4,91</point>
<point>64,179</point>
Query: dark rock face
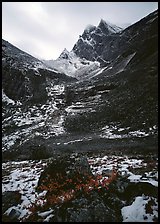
<point>27,84</point>
<point>90,209</point>
<point>9,199</point>
<point>127,88</point>
<point>81,206</point>
<point>105,43</point>
<point>93,40</point>
<point>67,167</point>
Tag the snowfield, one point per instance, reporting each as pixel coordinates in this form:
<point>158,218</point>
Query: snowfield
<point>71,65</point>
<point>136,212</point>
<point>23,177</point>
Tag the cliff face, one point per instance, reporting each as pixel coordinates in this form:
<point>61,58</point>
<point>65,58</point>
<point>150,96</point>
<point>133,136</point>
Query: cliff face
<point>125,92</point>
<point>106,41</point>
<point>94,39</point>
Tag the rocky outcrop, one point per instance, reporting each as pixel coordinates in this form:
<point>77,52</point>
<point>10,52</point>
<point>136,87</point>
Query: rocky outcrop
<point>9,199</point>
<point>74,194</point>
<point>106,42</point>
<point>92,42</point>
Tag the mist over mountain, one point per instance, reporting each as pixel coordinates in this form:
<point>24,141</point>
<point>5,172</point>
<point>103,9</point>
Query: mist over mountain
<point>102,96</point>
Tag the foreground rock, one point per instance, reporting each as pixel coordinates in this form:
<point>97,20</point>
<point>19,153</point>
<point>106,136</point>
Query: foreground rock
<point>78,188</point>
<point>92,187</point>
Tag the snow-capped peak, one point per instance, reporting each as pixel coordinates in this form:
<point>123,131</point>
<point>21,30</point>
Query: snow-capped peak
<point>64,54</point>
<point>89,28</point>
<point>102,21</point>
<point>111,28</point>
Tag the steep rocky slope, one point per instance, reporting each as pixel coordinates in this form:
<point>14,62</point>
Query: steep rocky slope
<point>92,42</point>
<point>24,76</point>
<point>106,42</point>
<point>121,101</point>
<point>29,96</point>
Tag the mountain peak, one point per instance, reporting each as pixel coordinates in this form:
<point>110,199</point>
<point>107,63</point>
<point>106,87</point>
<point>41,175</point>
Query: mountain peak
<point>89,28</point>
<point>64,54</point>
<point>102,21</point>
<point>103,24</point>
<point>109,27</point>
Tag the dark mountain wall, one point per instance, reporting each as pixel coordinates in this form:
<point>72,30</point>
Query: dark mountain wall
<point>25,77</point>
<point>103,44</point>
<point>131,78</point>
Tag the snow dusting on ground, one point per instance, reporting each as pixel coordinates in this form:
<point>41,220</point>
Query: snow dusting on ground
<point>123,165</point>
<point>23,177</point>
<point>114,132</point>
<point>29,123</point>
<point>136,212</point>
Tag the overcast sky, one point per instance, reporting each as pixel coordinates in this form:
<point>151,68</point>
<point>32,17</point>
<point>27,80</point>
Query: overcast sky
<point>44,29</point>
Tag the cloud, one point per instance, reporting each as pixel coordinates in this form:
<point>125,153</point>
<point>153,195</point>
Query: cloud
<point>44,29</point>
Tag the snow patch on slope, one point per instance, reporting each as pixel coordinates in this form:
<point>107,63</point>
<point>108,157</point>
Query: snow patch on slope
<point>71,65</point>
<point>113,132</point>
<point>6,99</point>
<point>23,177</point>
<point>136,212</point>
<point>112,28</point>
<point>44,120</point>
